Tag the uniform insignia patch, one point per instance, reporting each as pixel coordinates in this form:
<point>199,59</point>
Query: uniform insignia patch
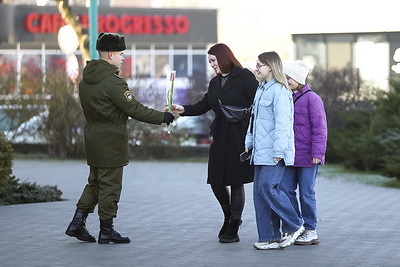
<point>128,95</point>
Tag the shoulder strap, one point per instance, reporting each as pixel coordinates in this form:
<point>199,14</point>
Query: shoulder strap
<point>294,101</point>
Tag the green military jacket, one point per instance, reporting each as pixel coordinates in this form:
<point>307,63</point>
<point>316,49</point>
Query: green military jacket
<point>107,102</point>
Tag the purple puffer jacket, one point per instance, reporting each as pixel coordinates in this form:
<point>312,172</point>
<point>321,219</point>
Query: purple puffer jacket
<point>310,128</point>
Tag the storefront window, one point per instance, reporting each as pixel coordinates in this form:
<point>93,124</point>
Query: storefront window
<point>372,59</point>
<point>31,75</point>
<point>396,58</point>
<point>199,81</point>
<point>371,54</point>
<point>181,65</point>
<point>162,66</point>
<point>143,66</point>
<point>339,51</point>
<point>8,74</point>
<point>55,63</point>
<point>311,49</point>
<point>144,69</point>
<point>199,73</point>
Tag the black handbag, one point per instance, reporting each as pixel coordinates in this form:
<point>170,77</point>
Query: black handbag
<point>233,113</point>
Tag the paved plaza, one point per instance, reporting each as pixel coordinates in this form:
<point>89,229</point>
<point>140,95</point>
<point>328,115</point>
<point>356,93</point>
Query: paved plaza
<point>173,219</point>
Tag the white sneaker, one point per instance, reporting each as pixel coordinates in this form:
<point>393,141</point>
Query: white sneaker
<point>267,245</point>
<point>291,238</point>
<point>284,237</point>
<point>309,237</point>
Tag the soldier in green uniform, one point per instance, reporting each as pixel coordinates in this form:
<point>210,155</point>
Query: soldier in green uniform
<point>107,103</point>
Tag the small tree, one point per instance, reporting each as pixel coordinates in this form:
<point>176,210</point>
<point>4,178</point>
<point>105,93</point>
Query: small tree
<point>64,126</point>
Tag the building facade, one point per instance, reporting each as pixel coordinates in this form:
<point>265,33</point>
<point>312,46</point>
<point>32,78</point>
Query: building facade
<point>158,41</point>
<point>375,54</point>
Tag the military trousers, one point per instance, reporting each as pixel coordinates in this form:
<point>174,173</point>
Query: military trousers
<point>103,189</point>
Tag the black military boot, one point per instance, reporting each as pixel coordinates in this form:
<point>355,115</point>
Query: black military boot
<point>231,235</point>
<point>107,233</point>
<point>227,216</point>
<point>77,228</point>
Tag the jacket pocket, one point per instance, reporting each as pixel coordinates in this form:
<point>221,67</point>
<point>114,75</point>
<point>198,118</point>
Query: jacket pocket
<point>266,110</point>
<point>266,102</point>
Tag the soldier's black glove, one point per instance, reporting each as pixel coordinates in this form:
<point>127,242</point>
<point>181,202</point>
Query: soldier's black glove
<point>168,118</point>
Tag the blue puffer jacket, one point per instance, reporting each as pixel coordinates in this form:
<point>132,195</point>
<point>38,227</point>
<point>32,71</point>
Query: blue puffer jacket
<point>272,134</point>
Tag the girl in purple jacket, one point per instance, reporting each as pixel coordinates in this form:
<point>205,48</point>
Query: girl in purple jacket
<point>310,135</point>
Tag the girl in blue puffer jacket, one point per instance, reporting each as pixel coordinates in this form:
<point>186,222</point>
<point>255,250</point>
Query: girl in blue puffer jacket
<point>271,138</point>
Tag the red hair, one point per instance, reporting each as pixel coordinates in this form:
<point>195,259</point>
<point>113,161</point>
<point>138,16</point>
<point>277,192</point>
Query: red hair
<point>226,59</point>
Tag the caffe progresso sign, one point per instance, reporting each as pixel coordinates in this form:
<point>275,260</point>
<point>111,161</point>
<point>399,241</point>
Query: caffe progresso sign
<point>139,25</point>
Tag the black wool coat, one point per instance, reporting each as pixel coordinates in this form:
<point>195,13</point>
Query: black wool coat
<point>224,165</point>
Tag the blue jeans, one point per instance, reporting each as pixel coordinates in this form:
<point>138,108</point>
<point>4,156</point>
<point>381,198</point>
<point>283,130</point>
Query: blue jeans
<point>304,178</point>
<point>271,204</point>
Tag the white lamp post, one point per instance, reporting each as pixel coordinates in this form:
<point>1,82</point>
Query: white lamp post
<point>69,42</point>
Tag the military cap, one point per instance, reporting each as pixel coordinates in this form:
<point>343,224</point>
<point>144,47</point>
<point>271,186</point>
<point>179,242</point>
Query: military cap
<point>110,42</point>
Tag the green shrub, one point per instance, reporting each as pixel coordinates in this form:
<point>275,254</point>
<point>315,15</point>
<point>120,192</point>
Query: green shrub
<point>368,139</point>
<point>353,144</point>
<point>12,191</point>
<point>385,126</point>
<point>17,193</point>
<point>6,160</point>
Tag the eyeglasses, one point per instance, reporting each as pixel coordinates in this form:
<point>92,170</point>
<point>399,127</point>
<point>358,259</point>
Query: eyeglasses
<point>260,65</point>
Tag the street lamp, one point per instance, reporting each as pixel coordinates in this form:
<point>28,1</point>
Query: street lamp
<point>93,28</point>
<point>68,39</point>
<point>69,42</point>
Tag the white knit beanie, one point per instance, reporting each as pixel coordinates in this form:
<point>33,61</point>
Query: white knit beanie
<point>297,70</point>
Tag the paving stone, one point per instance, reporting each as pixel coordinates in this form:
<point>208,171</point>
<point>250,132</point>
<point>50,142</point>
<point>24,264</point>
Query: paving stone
<point>171,215</point>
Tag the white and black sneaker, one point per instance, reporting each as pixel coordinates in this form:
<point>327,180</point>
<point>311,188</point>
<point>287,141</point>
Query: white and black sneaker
<point>284,237</point>
<point>267,245</point>
<point>309,237</point>
<point>291,238</point>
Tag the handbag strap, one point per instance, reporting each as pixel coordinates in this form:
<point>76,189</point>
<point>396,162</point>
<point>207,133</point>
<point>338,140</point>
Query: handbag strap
<point>295,100</point>
<point>234,107</point>
<point>218,95</point>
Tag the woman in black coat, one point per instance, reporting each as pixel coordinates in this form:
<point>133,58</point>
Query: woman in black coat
<point>236,86</point>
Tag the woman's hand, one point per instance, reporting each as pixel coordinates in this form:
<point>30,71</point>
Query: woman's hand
<point>276,160</point>
<point>176,109</point>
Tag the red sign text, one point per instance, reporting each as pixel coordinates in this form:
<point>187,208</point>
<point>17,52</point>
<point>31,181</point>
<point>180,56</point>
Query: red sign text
<point>126,24</point>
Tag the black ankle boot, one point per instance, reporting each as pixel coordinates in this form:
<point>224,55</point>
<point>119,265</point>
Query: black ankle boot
<point>231,235</point>
<point>77,228</point>
<point>227,216</point>
<point>107,233</point>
